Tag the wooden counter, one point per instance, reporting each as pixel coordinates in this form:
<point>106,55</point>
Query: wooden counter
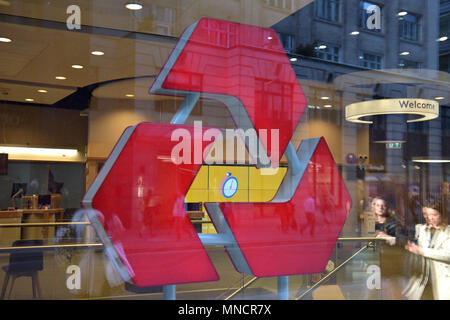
<point>10,234</point>
<point>31,216</point>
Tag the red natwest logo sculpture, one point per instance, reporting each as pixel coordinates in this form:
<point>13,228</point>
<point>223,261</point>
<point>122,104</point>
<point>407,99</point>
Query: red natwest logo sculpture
<point>136,203</point>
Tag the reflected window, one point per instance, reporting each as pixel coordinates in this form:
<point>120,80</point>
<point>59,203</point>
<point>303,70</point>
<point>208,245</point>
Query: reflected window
<point>288,41</point>
<point>371,61</point>
<point>281,4</point>
<point>327,9</point>
<point>328,52</point>
<point>409,27</point>
<point>408,64</point>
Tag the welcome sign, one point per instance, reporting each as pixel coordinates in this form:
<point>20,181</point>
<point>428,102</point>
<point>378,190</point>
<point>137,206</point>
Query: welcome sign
<point>424,109</point>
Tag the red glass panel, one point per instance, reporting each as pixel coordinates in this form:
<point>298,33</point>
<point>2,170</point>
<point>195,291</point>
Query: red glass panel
<point>296,237</point>
<point>141,204</point>
<point>245,62</point>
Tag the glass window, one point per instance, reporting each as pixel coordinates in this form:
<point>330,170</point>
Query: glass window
<point>288,41</point>
<point>280,4</point>
<point>371,61</point>
<point>328,52</point>
<point>409,26</point>
<point>408,64</point>
<point>163,117</point>
<point>327,9</point>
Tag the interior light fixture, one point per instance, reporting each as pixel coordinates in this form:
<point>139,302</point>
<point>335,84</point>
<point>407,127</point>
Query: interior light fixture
<point>442,39</point>
<point>133,6</point>
<point>129,95</point>
<point>324,98</point>
<point>4,39</point>
<point>402,13</point>
<point>270,38</point>
<point>42,91</point>
<point>423,109</point>
<point>38,151</point>
<point>354,33</point>
<point>328,106</point>
<point>404,53</point>
<point>431,160</point>
<point>29,99</point>
<point>293,59</point>
<point>77,66</point>
<point>321,47</point>
<point>439,98</point>
<point>60,78</point>
<point>97,53</point>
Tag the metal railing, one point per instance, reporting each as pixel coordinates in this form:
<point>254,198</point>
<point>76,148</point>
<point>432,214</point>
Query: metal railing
<point>205,238</point>
<point>324,279</point>
<point>334,271</point>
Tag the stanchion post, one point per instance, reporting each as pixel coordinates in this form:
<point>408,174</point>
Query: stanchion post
<point>283,288</point>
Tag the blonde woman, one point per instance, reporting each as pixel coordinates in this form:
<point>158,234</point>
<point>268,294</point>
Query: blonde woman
<point>433,245</point>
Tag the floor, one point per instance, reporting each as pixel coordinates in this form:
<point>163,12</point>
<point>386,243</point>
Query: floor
<point>98,281</point>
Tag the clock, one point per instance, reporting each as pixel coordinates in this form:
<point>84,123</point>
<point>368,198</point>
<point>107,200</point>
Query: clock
<point>229,186</point>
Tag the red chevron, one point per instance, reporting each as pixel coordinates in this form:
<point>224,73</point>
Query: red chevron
<point>245,62</point>
<point>298,236</point>
<point>141,202</point>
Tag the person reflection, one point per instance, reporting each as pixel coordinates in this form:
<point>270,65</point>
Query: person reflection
<point>287,218</point>
<point>310,212</point>
<point>178,215</point>
<point>385,225</point>
<point>433,245</point>
<point>391,255</point>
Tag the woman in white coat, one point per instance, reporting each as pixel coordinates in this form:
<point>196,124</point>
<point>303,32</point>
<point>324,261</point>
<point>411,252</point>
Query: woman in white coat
<point>433,245</point>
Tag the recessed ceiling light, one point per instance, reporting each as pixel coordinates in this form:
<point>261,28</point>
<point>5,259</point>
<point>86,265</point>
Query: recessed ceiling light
<point>325,98</point>
<point>405,53</point>
<point>42,91</point>
<point>3,39</point>
<point>29,99</point>
<point>97,53</point>
<point>293,59</point>
<point>77,66</point>
<point>328,106</point>
<point>402,13</point>
<point>322,47</point>
<point>442,39</point>
<point>354,33</point>
<point>133,6</point>
<point>60,78</point>
<point>129,95</point>
<point>439,98</point>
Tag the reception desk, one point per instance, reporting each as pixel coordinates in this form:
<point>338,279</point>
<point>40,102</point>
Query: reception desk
<point>10,234</point>
<point>27,216</point>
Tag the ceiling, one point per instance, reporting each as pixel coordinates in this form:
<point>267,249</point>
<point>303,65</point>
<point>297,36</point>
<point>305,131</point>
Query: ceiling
<point>135,44</point>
